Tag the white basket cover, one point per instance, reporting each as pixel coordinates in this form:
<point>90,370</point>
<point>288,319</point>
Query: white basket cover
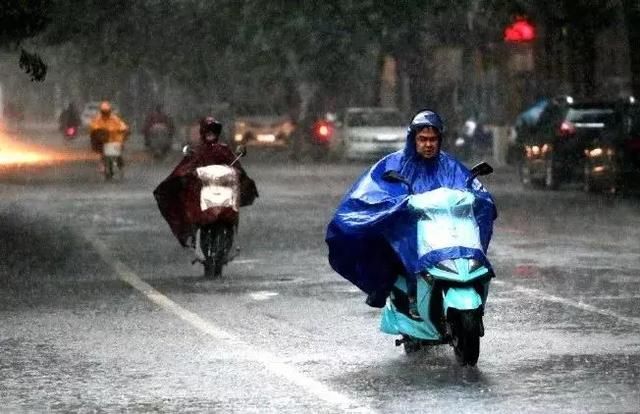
<point>219,187</point>
<point>112,149</point>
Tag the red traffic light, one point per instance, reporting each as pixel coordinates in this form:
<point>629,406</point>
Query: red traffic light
<point>521,30</point>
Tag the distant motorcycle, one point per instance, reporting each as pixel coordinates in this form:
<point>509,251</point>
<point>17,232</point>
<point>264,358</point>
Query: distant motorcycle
<point>474,140</point>
<point>70,132</point>
<point>220,193</point>
<point>453,286</point>
<point>158,140</point>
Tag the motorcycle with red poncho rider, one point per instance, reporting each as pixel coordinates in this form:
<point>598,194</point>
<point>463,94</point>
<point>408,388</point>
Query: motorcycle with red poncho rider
<point>200,199</point>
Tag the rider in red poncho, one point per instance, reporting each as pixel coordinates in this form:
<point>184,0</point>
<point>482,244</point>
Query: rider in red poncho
<point>178,196</point>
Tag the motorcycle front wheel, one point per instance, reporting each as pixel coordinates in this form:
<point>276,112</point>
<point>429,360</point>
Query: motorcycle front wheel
<point>109,168</point>
<point>215,241</point>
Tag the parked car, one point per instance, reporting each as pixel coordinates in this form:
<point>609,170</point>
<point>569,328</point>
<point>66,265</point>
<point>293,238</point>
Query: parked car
<point>525,121</point>
<point>612,160</point>
<point>263,131</point>
<point>369,132</point>
<point>554,147</point>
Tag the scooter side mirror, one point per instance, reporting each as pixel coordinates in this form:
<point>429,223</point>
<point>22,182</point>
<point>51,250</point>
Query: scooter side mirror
<point>478,170</point>
<point>481,169</point>
<point>241,151</point>
<point>186,150</point>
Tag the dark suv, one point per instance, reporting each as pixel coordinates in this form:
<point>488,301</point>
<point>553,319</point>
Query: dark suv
<point>612,160</point>
<point>555,147</point>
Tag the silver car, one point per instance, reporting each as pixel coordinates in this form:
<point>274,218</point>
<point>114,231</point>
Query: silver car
<point>372,132</point>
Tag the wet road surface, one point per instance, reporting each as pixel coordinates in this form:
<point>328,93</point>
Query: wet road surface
<point>101,309</point>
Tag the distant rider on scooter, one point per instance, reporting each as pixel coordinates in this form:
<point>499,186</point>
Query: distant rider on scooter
<point>107,127</point>
<point>69,121</point>
<point>358,249</point>
<point>178,196</point>
<point>154,120</point>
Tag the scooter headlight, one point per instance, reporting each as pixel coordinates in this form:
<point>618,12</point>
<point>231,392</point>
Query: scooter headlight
<point>447,266</point>
<point>474,265</point>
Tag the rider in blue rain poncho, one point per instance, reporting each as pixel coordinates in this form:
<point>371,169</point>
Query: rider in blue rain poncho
<point>371,239</point>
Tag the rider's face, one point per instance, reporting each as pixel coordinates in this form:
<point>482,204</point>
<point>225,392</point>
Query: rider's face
<point>427,142</point>
<point>210,137</point>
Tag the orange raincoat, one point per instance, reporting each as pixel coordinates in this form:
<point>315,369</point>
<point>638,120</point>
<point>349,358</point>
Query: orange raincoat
<point>117,129</point>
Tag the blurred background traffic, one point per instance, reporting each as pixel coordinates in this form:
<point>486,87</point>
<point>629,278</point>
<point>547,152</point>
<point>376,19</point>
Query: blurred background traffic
<point>547,87</point>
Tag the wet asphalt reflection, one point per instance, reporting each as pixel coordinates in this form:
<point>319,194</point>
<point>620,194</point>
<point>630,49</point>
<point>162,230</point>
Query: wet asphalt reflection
<point>562,321</point>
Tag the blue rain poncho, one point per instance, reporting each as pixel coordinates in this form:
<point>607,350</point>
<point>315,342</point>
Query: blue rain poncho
<point>372,236</point>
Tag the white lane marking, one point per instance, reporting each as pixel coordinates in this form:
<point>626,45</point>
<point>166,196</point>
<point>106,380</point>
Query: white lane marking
<point>263,295</point>
<point>245,261</point>
<point>269,361</point>
<point>621,297</point>
<point>564,301</point>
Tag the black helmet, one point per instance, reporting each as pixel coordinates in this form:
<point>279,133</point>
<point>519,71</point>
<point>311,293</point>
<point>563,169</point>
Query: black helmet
<point>209,124</point>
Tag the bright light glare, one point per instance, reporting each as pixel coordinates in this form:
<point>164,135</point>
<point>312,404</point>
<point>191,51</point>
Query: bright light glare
<point>323,130</point>
<point>266,138</point>
<point>596,152</point>
<point>13,153</point>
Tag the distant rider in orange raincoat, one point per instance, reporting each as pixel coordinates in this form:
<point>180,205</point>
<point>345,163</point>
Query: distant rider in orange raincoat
<point>107,127</point>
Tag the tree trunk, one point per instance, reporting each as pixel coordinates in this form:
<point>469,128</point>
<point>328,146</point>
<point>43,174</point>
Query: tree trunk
<point>582,63</point>
<point>632,15</point>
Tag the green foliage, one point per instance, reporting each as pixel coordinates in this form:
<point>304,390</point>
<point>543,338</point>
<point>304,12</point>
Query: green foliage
<point>22,19</point>
<point>33,65</point>
<point>229,49</point>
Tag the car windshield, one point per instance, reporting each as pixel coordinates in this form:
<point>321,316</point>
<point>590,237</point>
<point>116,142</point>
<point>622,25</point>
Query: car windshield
<point>605,116</point>
<point>375,119</point>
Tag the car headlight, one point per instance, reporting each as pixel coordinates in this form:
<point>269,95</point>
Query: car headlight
<point>596,152</point>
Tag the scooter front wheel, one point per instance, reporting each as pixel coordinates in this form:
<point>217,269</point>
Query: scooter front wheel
<point>214,243</point>
<point>466,329</point>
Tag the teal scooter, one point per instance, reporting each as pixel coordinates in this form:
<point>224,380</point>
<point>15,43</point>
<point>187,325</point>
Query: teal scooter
<point>451,293</point>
